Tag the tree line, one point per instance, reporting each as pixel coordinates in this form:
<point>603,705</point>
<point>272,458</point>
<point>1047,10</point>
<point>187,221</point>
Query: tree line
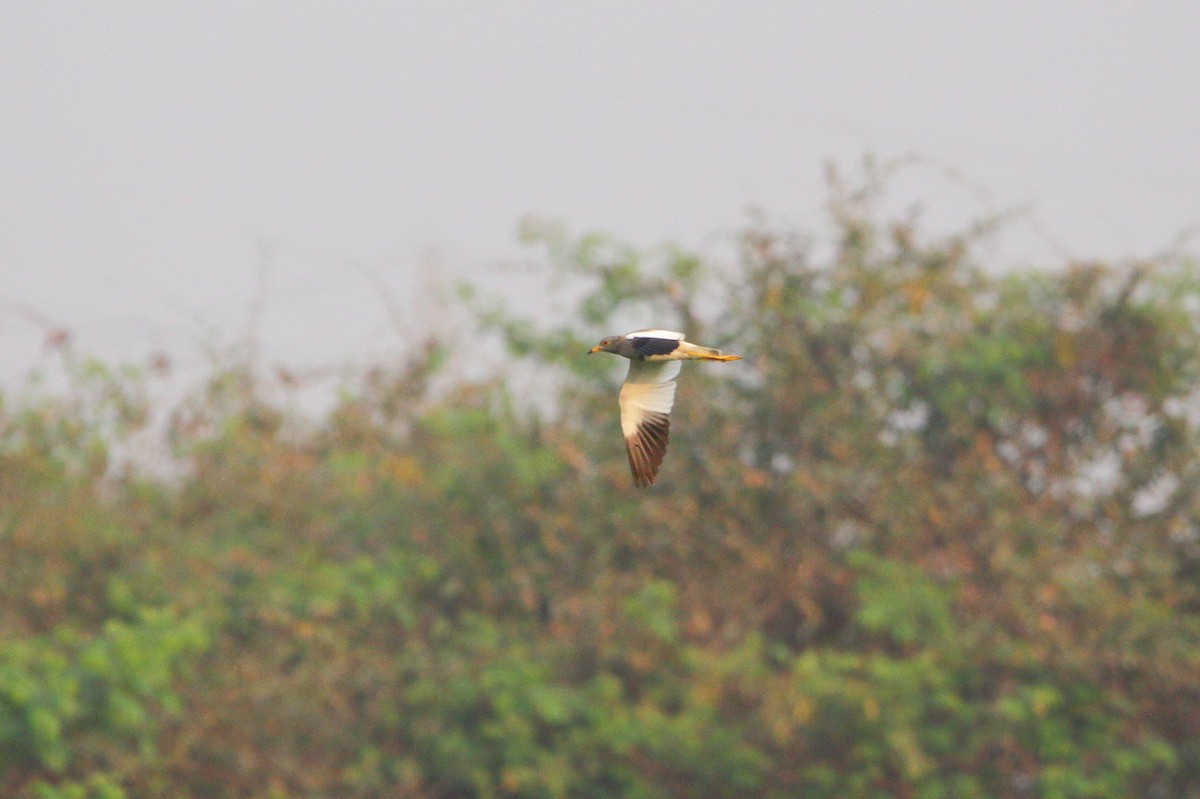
<point>937,536</point>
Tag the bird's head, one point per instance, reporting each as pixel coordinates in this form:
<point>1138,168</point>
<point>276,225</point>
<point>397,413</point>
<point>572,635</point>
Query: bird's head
<point>606,345</point>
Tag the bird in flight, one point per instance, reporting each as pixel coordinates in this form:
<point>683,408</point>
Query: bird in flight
<point>649,392</point>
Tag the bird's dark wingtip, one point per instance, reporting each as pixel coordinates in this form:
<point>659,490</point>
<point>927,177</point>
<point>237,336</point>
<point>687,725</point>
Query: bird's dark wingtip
<point>646,449</point>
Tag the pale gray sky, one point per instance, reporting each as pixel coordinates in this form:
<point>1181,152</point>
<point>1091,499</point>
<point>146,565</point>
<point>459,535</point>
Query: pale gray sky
<point>154,154</point>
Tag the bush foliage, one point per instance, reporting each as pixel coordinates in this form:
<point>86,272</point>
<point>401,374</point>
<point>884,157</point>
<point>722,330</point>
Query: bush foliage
<point>937,536</point>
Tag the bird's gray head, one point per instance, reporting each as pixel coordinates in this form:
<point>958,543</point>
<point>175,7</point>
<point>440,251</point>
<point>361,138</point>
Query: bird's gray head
<point>607,345</point>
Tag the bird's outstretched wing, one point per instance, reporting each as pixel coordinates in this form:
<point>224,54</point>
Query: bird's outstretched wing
<point>646,400</point>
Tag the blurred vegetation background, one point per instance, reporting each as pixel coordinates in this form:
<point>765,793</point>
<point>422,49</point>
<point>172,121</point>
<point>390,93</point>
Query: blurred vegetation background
<point>937,536</point>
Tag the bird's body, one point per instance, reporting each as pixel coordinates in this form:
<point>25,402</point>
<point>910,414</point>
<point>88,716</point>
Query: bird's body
<point>649,392</point>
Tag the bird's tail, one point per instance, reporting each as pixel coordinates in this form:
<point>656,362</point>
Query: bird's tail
<point>706,353</point>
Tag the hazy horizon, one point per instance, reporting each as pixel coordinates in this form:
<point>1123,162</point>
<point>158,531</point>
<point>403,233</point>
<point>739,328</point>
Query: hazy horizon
<point>160,161</point>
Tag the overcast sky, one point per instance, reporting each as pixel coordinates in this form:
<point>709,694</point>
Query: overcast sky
<point>155,155</point>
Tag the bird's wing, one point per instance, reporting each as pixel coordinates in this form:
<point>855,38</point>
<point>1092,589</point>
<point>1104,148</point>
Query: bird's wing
<point>654,342</point>
<point>646,400</point>
<point>671,334</point>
